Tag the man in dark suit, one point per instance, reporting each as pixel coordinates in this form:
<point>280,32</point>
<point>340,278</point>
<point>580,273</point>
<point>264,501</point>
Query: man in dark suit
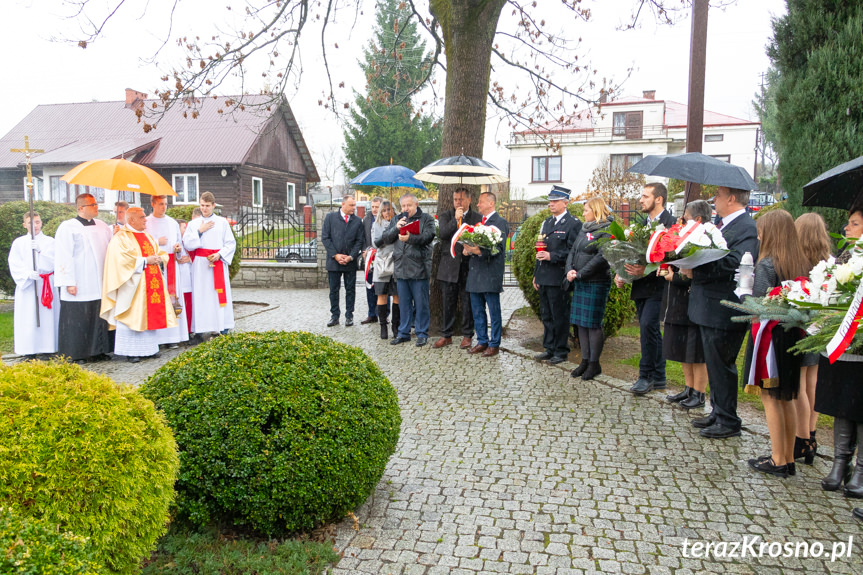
<point>371,297</point>
<point>559,231</point>
<point>647,295</point>
<point>452,271</point>
<point>342,236</point>
<point>485,280</point>
<point>722,338</point>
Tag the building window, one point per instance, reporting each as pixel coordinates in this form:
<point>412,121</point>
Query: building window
<point>723,158</point>
<point>292,198</point>
<point>714,137</point>
<point>628,125</point>
<point>64,193</point>
<point>257,192</point>
<point>622,162</point>
<point>546,169</point>
<point>186,186</point>
<point>38,189</point>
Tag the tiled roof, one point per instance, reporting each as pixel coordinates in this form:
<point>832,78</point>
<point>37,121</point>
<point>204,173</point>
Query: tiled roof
<point>78,132</point>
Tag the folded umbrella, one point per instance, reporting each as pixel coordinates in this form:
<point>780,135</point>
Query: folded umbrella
<point>696,168</point>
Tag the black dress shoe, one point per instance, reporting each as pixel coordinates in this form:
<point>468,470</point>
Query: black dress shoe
<point>582,367</point>
<point>556,360</point>
<point>397,340</point>
<point>332,322</point>
<point>593,369</point>
<point>368,320</point>
<point>719,431</point>
<point>703,422</point>
<point>767,466</point>
<point>543,356</point>
<point>421,341</point>
<point>349,321</point>
<point>133,359</point>
<point>642,386</point>
<point>695,399</point>
<point>857,514</point>
<point>678,397</point>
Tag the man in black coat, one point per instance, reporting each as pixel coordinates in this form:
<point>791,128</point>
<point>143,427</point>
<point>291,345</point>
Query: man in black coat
<point>452,271</point>
<point>647,295</point>
<point>368,220</point>
<point>412,268</point>
<point>559,231</point>
<point>485,280</point>
<point>342,237</point>
<point>722,338</point>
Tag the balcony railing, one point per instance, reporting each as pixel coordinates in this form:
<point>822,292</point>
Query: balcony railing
<point>605,134</point>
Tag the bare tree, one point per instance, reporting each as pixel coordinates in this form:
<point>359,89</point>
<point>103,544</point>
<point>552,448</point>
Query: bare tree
<point>613,184</point>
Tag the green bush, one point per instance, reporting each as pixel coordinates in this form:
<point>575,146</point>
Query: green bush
<point>89,455</point>
<point>185,213</point>
<point>278,432</point>
<point>33,547</point>
<point>11,214</point>
<point>619,309</point>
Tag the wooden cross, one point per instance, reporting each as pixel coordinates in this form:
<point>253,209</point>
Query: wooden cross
<point>27,150</point>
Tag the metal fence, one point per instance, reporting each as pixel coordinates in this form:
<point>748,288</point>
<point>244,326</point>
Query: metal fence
<point>275,232</point>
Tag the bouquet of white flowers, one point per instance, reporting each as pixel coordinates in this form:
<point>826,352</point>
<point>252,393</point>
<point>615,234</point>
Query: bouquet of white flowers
<point>488,237</point>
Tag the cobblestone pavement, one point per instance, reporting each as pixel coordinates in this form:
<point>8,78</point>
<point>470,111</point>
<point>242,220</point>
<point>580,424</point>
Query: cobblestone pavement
<point>508,466</point>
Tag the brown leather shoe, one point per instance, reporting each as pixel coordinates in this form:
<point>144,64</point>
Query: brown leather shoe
<point>490,352</point>
<point>465,342</point>
<point>442,342</point>
<point>478,348</point>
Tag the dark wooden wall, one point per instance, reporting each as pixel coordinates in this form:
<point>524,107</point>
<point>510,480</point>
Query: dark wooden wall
<point>12,184</point>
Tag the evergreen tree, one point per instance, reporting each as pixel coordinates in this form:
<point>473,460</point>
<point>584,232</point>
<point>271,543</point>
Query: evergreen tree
<point>383,122</point>
<point>817,50</point>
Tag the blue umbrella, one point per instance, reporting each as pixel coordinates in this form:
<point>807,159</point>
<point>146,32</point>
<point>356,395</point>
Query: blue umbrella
<point>389,177</point>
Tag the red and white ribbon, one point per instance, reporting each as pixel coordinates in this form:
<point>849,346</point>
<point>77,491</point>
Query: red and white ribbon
<point>455,238</point>
<point>843,336</point>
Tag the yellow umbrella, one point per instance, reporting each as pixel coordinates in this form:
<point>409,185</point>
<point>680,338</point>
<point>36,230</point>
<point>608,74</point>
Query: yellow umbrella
<point>121,175</point>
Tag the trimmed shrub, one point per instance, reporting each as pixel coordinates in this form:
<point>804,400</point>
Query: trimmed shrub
<point>278,431</point>
<point>185,213</point>
<point>89,455</point>
<point>33,547</point>
<point>11,214</point>
<point>620,308</point>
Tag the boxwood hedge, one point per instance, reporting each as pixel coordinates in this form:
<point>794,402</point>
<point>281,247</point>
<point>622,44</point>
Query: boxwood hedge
<point>278,431</point>
<point>92,457</point>
<point>619,308</point>
<point>35,547</point>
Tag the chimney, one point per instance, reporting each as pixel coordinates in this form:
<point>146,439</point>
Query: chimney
<point>603,96</point>
<point>134,99</point>
<point>649,94</point>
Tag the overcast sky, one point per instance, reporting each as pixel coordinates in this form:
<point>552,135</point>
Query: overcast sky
<point>38,71</point>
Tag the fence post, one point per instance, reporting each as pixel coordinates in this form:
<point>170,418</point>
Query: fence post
<point>624,213</point>
<point>309,231</point>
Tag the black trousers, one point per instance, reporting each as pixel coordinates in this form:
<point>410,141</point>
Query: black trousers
<point>335,279</point>
<point>554,311</point>
<point>652,363</point>
<point>452,293</point>
<point>721,348</point>
<point>372,300</point>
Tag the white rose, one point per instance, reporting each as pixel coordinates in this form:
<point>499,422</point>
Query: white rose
<point>843,273</point>
<point>856,263</point>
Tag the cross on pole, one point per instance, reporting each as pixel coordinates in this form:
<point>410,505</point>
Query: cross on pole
<point>27,151</point>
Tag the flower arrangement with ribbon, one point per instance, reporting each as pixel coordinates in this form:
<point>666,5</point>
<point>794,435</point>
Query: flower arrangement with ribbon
<point>488,237</point>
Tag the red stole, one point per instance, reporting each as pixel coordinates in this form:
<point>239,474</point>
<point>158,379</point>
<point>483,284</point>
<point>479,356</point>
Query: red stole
<point>47,296</point>
<point>157,316</point>
<point>218,273</point>
<point>172,274</point>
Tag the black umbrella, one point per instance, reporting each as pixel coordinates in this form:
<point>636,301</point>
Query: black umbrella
<point>696,168</point>
<point>841,187</point>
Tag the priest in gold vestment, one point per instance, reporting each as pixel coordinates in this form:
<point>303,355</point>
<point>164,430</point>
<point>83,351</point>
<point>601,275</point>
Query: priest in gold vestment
<point>135,299</point>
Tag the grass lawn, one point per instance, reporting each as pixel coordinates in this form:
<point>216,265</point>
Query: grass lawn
<point>7,343</point>
<point>182,552</point>
<point>282,237</point>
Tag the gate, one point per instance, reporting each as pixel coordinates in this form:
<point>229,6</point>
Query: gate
<point>276,232</point>
<point>514,212</point>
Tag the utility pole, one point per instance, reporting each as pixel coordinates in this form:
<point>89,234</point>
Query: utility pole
<point>697,69</point>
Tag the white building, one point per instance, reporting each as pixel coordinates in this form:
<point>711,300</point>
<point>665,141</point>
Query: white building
<point>620,133</point>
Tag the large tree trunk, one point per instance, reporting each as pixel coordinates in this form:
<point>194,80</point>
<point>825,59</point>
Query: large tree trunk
<point>468,28</point>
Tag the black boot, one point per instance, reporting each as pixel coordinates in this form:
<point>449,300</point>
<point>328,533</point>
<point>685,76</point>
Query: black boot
<point>844,432</point>
<point>593,369</point>
<point>382,319</point>
<point>678,397</point>
<point>397,317</point>
<point>695,399</point>
<point>582,367</point>
<point>803,450</point>
<point>854,487</point>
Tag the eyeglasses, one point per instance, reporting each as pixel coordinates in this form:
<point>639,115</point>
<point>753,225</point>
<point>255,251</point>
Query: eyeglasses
<point>89,205</point>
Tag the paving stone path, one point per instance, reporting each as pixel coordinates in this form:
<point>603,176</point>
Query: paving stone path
<point>505,465</point>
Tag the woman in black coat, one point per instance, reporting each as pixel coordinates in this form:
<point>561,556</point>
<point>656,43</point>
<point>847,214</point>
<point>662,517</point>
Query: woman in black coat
<point>588,274</point>
<point>681,341</point>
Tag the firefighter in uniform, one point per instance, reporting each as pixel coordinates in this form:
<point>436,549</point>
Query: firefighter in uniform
<point>559,232</point>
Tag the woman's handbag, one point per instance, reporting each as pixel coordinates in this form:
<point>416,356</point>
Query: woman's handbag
<point>384,264</point>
